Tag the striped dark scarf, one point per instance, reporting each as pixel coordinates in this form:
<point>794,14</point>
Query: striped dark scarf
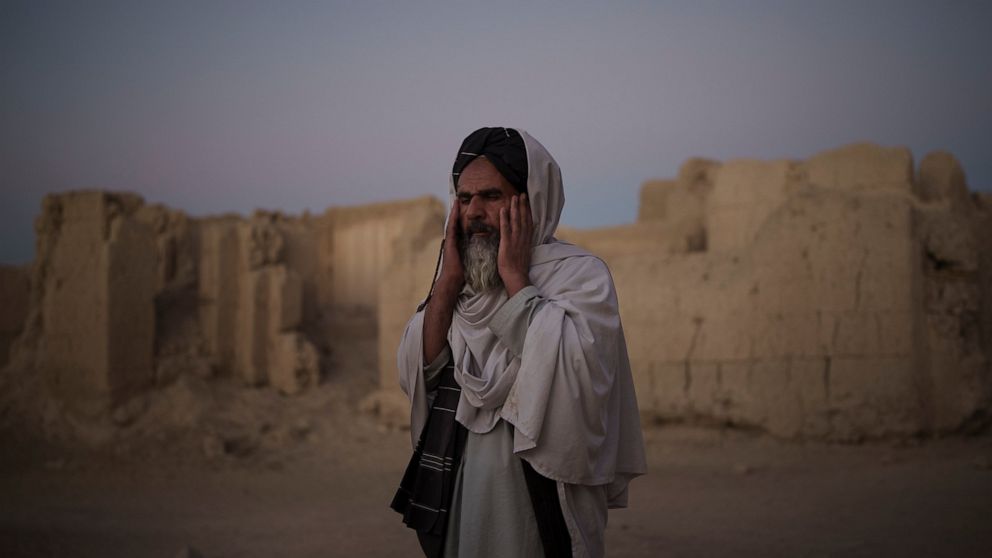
<point>424,496</point>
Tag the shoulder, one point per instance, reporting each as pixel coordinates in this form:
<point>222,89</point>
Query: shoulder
<point>576,278</point>
<point>564,254</point>
<point>585,265</point>
<point>569,258</point>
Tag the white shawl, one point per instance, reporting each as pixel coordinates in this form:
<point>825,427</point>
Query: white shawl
<point>570,396</point>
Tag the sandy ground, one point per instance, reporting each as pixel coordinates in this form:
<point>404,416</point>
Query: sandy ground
<point>708,493</point>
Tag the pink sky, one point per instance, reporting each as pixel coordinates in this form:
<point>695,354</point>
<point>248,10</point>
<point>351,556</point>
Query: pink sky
<point>229,106</point>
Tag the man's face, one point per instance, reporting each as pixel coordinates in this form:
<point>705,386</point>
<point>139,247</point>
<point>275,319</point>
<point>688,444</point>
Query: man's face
<point>482,191</point>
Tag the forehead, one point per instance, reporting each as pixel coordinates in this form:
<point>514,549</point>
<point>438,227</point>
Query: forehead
<point>480,175</point>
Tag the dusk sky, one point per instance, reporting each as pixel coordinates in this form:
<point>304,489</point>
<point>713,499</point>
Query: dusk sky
<point>216,107</point>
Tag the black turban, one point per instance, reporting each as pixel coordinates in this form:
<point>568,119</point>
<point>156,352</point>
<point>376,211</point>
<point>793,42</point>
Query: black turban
<point>503,147</point>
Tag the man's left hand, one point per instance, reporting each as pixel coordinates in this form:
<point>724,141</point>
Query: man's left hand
<point>516,227</point>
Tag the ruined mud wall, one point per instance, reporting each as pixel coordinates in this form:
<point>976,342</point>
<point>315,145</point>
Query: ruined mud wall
<point>15,288</point>
<point>404,286</point>
<point>359,243</point>
<point>127,297</point>
<point>279,294</point>
<point>847,296</point>
<point>251,302</point>
<point>92,318</point>
<point>840,297</point>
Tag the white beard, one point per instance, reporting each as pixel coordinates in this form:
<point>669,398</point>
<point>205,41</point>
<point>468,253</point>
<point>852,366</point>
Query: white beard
<point>479,256</point>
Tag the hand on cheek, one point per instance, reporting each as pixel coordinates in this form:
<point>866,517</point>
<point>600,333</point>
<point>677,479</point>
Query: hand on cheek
<point>452,271</point>
<point>516,228</point>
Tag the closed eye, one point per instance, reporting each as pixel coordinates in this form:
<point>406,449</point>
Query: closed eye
<point>491,194</point>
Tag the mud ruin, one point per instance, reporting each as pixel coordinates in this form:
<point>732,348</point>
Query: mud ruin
<point>844,297</point>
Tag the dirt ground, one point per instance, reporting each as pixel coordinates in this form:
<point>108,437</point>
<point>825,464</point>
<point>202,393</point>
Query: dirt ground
<point>316,480</point>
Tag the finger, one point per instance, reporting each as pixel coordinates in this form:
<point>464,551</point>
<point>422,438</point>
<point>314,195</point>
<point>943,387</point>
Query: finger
<point>525,209</point>
<point>514,215</point>
<point>504,228</point>
<point>453,214</point>
<point>451,232</point>
<point>523,228</point>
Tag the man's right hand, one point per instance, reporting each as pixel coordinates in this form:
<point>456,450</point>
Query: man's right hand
<point>441,306</point>
<point>452,272</point>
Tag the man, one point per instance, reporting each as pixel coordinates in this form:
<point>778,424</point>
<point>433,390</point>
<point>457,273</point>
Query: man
<point>523,410</point>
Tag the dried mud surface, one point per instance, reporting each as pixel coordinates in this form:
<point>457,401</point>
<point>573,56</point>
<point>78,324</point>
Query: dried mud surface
<point>256,477</point>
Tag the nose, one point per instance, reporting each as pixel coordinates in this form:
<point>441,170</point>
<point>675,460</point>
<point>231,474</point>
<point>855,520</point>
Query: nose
<point>474,209</point>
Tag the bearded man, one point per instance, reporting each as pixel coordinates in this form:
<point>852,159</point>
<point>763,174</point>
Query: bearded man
<point>523,412</point>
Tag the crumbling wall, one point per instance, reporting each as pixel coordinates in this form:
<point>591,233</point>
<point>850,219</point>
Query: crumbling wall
<point>955,238</point>
<point>175,246</point>
<point>357,244</point>
<point>631,239</point>
<point>283,297</point>
<point>841,297</point>
<point>403,286</point>
<point>126,298</point>
<point>252,300</point>
<point>15,285</point>
<point>814,310</point>
<point>221,267</point>
<point>671,218</point>
<point>95,279</point>
<point>679,206</point>
<point>800,336</point>
<point>743,195</point>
